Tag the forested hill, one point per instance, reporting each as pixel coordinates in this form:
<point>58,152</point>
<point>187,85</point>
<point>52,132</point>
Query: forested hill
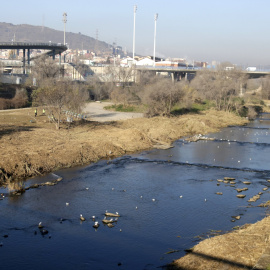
<point>31,33</point>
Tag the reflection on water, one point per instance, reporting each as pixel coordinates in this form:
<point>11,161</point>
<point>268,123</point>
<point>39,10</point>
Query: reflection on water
<point>165,198</point>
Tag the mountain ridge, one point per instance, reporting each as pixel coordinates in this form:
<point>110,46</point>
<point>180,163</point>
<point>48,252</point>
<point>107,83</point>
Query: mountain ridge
<point>32,33</point>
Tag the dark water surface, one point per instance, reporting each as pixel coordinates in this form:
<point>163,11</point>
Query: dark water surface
<point>166,198</point>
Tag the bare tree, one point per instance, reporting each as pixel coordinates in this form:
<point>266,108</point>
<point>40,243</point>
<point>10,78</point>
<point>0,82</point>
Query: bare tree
<point>125,95</point>
<point>221,86</point>
<point>122,75</point>
<point>21,98</point>
<point>99,89</point>
<point>59,95</point>
<point>45,68</point>
<point>161,95</point>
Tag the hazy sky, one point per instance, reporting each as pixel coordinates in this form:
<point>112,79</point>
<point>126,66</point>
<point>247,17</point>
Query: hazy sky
<point>205,30</point>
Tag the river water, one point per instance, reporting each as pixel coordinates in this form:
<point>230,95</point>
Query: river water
<point>166,199</point>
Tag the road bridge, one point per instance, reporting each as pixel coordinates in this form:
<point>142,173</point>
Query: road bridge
<point>177,73</point>
<point>52,48</point>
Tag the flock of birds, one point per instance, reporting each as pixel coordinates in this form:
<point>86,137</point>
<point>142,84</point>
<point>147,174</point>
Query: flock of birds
<point>113,218</point>
<point>105,221</point>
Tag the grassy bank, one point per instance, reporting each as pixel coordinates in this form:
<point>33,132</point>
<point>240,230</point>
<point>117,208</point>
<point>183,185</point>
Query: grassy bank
<point>240,249</point>
<point>31,146</point>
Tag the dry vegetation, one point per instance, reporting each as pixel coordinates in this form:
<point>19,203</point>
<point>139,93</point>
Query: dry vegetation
<point>240,249</point>
<point>31,146</point>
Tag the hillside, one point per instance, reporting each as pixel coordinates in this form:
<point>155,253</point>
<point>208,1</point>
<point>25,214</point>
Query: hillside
<point>31,33</point>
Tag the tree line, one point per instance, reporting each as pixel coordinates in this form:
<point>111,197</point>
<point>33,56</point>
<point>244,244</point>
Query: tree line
<point>220,89</point>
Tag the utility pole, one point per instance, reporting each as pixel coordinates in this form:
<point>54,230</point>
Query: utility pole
<point>134,9</point>
<point>155,32</point>
<point>64,21</point>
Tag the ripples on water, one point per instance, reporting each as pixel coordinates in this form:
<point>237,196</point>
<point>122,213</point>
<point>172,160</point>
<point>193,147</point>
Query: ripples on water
<point>165,198</point>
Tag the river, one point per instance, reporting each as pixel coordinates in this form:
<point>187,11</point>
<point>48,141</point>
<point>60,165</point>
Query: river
<point>166,200</point>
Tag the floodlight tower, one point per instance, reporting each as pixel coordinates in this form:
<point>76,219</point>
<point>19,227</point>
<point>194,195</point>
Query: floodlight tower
<point>134,9</point>
<point>64,21</point>
<point>155,33</point>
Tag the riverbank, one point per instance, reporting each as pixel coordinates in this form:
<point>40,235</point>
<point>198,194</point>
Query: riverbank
<point>31,146</point>
<point>245,248</point>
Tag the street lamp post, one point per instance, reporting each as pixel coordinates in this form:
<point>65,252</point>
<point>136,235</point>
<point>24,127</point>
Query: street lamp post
<point>65,20</point>
<point>155,32</point>
<point>135,9</point>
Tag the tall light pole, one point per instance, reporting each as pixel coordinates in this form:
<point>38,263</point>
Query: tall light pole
<point>155,33</point>
<point>64,21</point>
<point>135,9</point>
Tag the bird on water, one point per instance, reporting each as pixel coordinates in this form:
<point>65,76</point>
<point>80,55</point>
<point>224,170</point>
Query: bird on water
<point>96,225</point>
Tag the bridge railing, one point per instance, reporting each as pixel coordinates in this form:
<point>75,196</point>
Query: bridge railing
<point>31,44</point>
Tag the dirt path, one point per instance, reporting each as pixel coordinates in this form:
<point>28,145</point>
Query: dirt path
<point>95,112</point>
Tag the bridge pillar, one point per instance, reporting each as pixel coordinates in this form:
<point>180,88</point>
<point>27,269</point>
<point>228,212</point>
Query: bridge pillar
<point>53,54</point>
<point>28,59</point>
<point>172,75</point>
<point>23,61</point>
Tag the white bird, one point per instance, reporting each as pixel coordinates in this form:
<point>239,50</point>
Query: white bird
<point>67,204</point>
<point>180,196</point>
<point>136,207</point>
<point>82,218</point>
<point>205,200</point>
<point>153,200</point>
<point>96,225</point>
<point>87,188</point>
<point>40,225</point>
<point>93,217</point>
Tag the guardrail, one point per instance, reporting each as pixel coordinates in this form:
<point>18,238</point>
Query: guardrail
<point>31,44</point>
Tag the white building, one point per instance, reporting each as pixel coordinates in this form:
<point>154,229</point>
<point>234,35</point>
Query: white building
<point>145,62</point>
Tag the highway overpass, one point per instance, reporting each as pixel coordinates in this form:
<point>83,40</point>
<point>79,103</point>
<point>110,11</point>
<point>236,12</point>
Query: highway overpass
<point>51,48</point>
<point>179,72</point>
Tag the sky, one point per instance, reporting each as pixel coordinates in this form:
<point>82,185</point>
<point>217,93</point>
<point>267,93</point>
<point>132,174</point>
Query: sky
<point>236,31</point>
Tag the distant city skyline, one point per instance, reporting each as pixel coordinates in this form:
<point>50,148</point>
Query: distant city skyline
<point>209,30</point>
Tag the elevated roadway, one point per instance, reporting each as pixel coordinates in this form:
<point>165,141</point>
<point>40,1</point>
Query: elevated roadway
<point>52,49</point>
<point>179,72</point>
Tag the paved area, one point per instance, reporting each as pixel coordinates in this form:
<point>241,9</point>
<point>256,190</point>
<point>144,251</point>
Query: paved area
<point>95,112</point>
